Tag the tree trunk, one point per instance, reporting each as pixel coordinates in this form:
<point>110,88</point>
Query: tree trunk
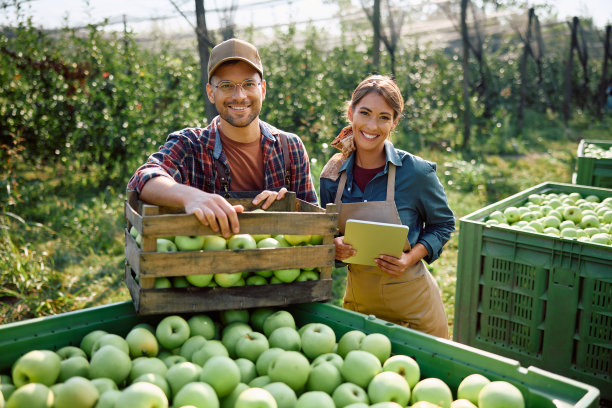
<point>605,82</point>
<point>569,71</point>
<point>376,44</point>
<point>467,112</point>
<point>204,45</point>
<point>526,52</point>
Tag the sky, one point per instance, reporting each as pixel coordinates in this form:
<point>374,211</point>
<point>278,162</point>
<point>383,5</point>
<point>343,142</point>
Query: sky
<point>55,13</point>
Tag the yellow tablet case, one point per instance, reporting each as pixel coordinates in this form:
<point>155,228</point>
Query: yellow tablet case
<point>371,239</point>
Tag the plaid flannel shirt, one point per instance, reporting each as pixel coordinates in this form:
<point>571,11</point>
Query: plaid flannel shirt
<point>188,158</point>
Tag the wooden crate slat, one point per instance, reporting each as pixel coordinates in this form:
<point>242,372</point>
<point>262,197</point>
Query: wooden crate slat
<point>191,263</point>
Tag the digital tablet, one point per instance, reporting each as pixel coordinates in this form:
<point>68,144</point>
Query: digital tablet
<point>371,239</point>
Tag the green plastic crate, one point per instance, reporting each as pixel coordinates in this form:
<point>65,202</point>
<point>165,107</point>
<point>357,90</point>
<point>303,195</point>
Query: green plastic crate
<point>444,359</point>
<point>591,171</point>
<point>542,300</point>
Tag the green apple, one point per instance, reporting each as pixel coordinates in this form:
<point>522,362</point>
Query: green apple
<point>592,198</point>
<point>172,331</point>
<point>348,393</point>
<point>350,340</point>
<point>38,366</point>
<point>210,349</point>
<point>461,403</point>
<point>260,381</point>
<point>230,400</point>
<point>290,367</point>
<point>324,376</point>
<point>141,342</point>
<point>214,243</point>
<point>589,221</point>
<point>318,339</point>
<point>104,384</point>
<point>378,344</point>
<point>111,340</point>
<point>331,358</point>
<point>90,339</point>
<point>108,399</point>
<point>297,240</point>
<point>172,360</point>
<point>268,243</point>
<point>389,386</point>
<point>282,242</point>
<point>222,373</point>
<point>358,405</point>
<point>552,231</point>
<point>550,221</point>
<point>566,224</point>
<point>601,238</point>
<point>189,243</point>
<point>7,387</point>
<point>70,351</point>
<point>200,280</point>
<point>305,276</point>
<point>405,366</point>
<point>265,358</point>
<point>317,399</point>
<point>316,240</point>
<point>432,390</point>
<point>256,280</point>
<point>162,283</point>
<point>255,398</point>
<point>264,274</point>
<point>72,367</point>
<point>569,232</point>
<point>287,275</point>
<point>360,367</point>
<point>157,379</point>
<point>182,373</point>
<point>529,216</point>
<point>241,241</point>
<point>142,395</point>
<point>247,368</point>
<point>191,345</point>
<point>180,282</point>
<point>147,365</point>
<point>201,325</point>
<point>572,213</point>
<point>110,362</point>
<point>607,217</point>
<point>226,280</point>
<point>197,394</point>
<point>286,338</point>
<point>280,318</point>
<point>76,392</point>
<point>231,333</point>
<point>512,214</point>
<point>497,216</point>
<point>500,394</point>
<point>386,404</point>
<point>535,198</point>
<point>32,395</point>
<point>536,225</point>
<point>165,245</point>
<point>470,387</point>
<point>274,280</point>
<point>234,315</point>
<point>284,396</point>
<point>251,345</point>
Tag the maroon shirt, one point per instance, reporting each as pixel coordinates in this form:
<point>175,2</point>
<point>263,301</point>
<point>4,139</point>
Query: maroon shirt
<point>362,176</point>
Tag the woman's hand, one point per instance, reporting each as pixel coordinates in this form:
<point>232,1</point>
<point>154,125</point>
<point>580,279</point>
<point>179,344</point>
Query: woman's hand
<point>343,250</point>
<point>397,266</point>
<point>268,197</point>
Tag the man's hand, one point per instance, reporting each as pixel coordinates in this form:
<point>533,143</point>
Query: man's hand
<point>214,211</point>
<point>343,250</point>
<point>268,197</point>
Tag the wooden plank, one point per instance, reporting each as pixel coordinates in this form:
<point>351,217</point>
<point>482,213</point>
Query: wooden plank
<point>133,217</point>
<point>132,252</point>
<point>250,223</point>
<point>189,300</point>
<point>229,261</point>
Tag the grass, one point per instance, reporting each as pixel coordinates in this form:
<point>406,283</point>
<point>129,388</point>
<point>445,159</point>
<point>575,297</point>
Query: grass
<point>61,242</point>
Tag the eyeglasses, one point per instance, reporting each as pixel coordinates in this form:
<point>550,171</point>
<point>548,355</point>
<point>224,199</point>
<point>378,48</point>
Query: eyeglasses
<point>228,87</point>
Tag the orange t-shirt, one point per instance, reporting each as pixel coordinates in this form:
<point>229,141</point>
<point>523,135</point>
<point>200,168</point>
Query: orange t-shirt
<point>245,164</point>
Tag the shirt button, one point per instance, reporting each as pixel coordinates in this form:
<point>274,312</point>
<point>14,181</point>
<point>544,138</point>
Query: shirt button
<point>365,201</point>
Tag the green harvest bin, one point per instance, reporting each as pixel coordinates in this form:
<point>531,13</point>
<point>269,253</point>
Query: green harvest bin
<point>444,359</point>
<point>538,299</point>
<point>591,171</point>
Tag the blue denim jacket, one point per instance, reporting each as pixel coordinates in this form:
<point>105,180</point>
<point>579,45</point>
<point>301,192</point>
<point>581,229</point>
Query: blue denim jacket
<point>419,197</point>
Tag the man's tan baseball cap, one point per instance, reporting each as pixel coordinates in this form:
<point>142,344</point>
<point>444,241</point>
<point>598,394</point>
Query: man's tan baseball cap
<point>234,49</point>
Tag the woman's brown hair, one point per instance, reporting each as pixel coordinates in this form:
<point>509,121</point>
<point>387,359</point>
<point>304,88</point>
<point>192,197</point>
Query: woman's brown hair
<point>385,87</point>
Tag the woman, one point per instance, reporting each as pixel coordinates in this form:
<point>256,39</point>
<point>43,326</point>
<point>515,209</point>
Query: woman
<point>372,180</point>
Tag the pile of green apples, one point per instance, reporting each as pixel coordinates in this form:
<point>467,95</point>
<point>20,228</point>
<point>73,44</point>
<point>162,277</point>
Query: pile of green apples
<point>563,215</point>
<point>254,358</point>
<point>598,152</point>
<point>236,242</point>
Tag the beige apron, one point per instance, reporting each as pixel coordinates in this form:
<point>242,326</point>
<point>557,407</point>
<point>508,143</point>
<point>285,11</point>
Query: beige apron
<point>412,300</point>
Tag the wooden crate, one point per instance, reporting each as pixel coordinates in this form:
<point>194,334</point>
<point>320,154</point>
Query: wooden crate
<point>287,216</point>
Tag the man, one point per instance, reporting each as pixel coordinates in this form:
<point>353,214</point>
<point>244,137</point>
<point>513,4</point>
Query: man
<point>236,152</point>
